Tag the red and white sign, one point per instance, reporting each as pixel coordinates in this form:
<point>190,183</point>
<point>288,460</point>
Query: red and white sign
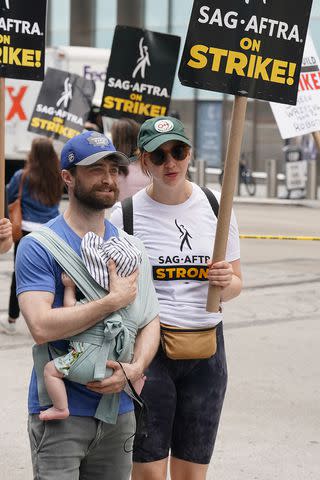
<point>303,118</point>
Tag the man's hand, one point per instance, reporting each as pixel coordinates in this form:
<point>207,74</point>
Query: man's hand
<point>123,290</point>
<point>117,381</point>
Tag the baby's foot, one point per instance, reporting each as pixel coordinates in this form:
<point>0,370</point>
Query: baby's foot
<point>54,413</point>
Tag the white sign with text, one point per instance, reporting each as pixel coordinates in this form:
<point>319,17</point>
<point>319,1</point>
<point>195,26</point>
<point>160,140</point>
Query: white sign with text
<point>304,118</point>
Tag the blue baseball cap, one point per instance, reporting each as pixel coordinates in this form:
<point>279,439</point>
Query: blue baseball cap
<point>87,148</point>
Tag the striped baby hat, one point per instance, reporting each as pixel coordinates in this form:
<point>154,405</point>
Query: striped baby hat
<point>95,253</point>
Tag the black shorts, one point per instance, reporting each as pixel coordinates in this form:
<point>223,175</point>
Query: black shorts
<point>184,399</point>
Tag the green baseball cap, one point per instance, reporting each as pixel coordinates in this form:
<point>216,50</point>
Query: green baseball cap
<point>156,131</point>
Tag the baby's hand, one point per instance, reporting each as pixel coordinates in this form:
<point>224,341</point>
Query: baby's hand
<point>66,280</point>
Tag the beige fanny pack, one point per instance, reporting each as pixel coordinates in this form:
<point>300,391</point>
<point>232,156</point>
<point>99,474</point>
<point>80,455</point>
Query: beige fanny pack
<point>188,344</point>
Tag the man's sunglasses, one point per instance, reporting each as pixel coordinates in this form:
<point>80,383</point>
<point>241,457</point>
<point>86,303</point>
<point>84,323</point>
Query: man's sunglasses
<point>178,152</point>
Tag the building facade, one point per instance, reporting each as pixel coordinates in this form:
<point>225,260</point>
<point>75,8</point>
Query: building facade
<point>206,114</point>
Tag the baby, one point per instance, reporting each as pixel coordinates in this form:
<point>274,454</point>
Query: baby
<point>95,254</point>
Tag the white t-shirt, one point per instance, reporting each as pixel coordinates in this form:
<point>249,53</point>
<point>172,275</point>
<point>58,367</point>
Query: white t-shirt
<point>179,241</point>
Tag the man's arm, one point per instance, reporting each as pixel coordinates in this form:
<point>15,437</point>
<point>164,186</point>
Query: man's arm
<point>146,346</point>
<point>48,324</point>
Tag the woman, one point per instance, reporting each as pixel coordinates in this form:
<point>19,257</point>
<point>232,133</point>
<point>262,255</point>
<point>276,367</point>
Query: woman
<point>41,194</point>
<point>174,219</point>
<point>124,133</point>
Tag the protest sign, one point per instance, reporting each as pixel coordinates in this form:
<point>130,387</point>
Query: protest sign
<point>22,39</point>
<point>246,47</point>
<point>140,74</point>
<point>22,43</point>
<point>62,106</point>
<point>303,118</point>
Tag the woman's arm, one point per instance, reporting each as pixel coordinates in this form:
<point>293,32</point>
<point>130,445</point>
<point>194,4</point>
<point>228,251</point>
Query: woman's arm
<point>227,276</point>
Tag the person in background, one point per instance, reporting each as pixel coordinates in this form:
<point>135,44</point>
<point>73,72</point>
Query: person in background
<point>124,134</point>
<point>41,194</point>
<point>176,223</point>
<point>94,120</point>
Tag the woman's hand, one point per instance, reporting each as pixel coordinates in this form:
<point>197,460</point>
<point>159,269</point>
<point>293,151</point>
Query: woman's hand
<point>220,274</point>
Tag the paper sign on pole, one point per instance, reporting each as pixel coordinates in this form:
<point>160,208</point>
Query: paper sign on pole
<point>22,39</point>
<point>140,74</point>
<point>250,48</point>
<point>62,106</point>
<point>304,118</point>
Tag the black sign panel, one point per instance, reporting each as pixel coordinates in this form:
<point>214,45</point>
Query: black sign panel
<point>252,48</point>
<point>62,106</point>
<point>140,74</point>
<point>22,39</point>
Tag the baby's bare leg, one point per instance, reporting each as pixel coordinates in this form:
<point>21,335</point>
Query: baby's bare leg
<point>57,392</point>
<point>69,297</point>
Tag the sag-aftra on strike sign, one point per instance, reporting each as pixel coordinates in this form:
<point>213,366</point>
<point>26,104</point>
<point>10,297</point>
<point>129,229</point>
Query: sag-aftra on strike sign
<point>140,73</point>
<point>246,47</point>
<point>22,39</point>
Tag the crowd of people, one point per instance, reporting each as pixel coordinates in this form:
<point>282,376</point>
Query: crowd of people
<point>116,389</point>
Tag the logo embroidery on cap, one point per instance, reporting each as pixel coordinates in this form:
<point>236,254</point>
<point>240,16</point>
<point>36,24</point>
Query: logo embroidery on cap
<point>71,157</point>
<point>98,140</point>
<point>163,126</point>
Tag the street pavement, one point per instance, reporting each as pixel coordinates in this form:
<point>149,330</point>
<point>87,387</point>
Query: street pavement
<point>271,417</point>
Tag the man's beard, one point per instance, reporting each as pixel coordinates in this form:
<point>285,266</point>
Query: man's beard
<point>92,201</point>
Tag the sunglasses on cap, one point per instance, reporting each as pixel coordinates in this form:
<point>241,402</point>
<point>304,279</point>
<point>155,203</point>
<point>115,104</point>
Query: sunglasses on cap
<point>178,152</point>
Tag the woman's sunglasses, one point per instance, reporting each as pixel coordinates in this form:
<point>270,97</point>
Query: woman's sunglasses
<point>178,152</point>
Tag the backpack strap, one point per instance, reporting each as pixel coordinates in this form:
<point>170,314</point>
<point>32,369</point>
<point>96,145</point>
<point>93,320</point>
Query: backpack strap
<point>212,200</point>
<point>127,209</point>
<point>127,215</point>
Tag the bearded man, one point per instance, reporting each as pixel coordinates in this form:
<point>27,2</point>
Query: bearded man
<point>84,446</point>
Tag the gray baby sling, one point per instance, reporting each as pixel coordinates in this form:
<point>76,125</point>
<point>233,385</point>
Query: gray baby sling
<point>111,339</point>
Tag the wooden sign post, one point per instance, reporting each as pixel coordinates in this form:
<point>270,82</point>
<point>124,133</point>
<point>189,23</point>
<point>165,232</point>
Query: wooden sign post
<point>2,156</point>
<point>316,137</point>
<point>234,47</point>
<point>231,167</point>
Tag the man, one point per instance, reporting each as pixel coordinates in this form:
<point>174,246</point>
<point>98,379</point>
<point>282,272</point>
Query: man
<point>82,446</point>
